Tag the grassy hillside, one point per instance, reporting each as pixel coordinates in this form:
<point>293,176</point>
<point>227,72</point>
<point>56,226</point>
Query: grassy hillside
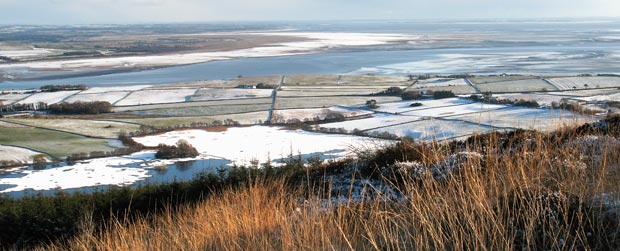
<point>514,191</point>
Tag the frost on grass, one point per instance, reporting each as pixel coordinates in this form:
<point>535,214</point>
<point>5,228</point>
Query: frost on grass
<point>16,154</point>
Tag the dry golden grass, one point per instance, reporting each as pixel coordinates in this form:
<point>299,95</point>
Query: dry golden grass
<point>540,195</point>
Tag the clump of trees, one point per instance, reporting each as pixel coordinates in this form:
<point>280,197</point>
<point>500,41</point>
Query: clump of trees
<point>265,86</point>
<point>95,107</point>
<point>487,97</point>
<point>392,91</point>
<point>182,149</point>
<point>372,104</point>
<point>443,94</point>
<point>411,95</point>
<point>55,88</point>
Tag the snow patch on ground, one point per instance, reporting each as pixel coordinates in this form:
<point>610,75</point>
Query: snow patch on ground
<point>242,145</point>
<point>96,172</point>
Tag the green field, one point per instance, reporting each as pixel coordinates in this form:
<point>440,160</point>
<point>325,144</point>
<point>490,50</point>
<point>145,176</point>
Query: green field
<point>58,144</point>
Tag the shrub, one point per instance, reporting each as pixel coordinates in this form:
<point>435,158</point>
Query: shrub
<point>372,104</point>
<point>392,91</point>
<point>443,94</point>
<point>182,149</point>
<point>526,103</point>
<point>411,95</point>
<point>265,86</point>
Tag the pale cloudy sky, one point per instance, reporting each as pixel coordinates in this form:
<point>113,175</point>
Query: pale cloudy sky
<point>164,11</point>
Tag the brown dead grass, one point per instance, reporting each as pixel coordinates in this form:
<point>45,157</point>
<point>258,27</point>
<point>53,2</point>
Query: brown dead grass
<point>534,198</point>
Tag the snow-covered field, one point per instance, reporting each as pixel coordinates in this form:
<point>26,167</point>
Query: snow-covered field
<point>157,97</point>
<point>115,89</point>
<point>321,113</point>
<point>378,120</point>
<point>586,93</point>
<point>427,130</point>
<point>527,85</point>
<point>318,41</point>
<point>542,99</point>
<point>570,83</point>
<point>111,97</point>
<point>48,97</point>
<point>455,110</point>
<point>608,97</point>
<point>16,154</point>
<point>439,82</point>
<point>230,93</point>
<point>242,145</point>
<point>526,118</point>
<point>8,99</point>
<point>404,106</point>
<point>96,172</point>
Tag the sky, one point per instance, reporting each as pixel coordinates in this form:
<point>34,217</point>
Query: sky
<point>54,12</point>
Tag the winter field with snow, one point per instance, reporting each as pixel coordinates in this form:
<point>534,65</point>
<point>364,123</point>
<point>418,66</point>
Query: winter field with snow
<point>325,116</point>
